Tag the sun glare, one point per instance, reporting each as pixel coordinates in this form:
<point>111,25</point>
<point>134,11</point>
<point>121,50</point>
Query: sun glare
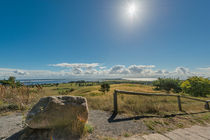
<point>131,10</point>
<point>132,13</point>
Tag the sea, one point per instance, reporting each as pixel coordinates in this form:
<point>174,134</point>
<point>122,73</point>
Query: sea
<point>54,81</point>
<point>42,81</point>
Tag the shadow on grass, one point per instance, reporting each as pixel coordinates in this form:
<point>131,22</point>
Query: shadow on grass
<point>113,116</point>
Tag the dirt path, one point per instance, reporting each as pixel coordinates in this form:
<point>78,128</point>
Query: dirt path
<point>10,124</point>
<point>116,128</point>
<point>119,128</point>
<point>98,119</point>
<point>193,133</point>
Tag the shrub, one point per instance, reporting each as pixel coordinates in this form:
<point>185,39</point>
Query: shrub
<point>11,82</point>
<point>66,92</point>
<point>105,87</point>
<point>88,128</point>
<point>196,86</point>
<point>168,84</point>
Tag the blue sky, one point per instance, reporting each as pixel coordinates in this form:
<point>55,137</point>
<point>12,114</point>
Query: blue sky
<point>164,35</point>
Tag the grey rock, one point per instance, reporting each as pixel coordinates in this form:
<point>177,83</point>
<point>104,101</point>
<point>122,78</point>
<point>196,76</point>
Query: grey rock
<point>60,117</point>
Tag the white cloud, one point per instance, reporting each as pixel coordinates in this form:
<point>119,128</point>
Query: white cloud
<point>205,69</point>
<point>102,67</point>
<point>20,72</point>
<point>182,71</point>
<point>118,69</point>
<point>76,65</point>
<point>77,71</point>
<point>5,72</point>
<point>93,70</point>
<point>132,70</point>
<point>162,72</point>
<point>135,69</point>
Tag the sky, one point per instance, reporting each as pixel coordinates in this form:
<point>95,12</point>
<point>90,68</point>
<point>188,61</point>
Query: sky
<point>104,38</point>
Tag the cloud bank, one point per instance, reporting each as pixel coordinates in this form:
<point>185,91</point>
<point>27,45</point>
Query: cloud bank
<point>95,70</point>
<point>76,65</point>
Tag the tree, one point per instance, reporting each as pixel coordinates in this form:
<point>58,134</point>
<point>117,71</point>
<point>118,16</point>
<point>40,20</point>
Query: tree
<point>196,86</point>
<point>105,87</point>
<point>168,84</point>
<point>11,82</point>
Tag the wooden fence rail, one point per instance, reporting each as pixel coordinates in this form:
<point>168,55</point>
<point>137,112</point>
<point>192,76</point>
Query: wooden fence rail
<point>157,94</point>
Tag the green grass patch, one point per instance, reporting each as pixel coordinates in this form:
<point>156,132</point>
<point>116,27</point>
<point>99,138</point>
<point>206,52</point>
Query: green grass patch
<point>88,128</point>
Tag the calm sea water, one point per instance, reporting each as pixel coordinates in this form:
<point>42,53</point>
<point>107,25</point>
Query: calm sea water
<point>43,81</point>
<point>53,81</point>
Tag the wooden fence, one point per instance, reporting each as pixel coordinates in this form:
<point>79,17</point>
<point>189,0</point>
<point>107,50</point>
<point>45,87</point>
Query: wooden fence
<point>157,94</point>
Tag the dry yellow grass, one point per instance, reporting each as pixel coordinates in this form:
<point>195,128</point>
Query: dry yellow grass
<point>129,104</point>
<point>20,98</point>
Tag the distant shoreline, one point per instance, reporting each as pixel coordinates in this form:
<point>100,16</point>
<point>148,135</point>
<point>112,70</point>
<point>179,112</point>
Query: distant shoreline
<point>54,81</point>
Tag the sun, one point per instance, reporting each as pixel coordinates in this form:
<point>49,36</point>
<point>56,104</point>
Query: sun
<point>131,13</point>
<point>132,10</point>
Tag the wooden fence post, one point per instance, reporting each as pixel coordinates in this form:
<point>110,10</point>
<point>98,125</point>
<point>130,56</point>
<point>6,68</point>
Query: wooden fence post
<point>179,103</point>
<point>115,102</point>
<point>207,105</point>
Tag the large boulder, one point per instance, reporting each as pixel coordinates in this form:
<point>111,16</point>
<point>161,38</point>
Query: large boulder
<point>59,114</point>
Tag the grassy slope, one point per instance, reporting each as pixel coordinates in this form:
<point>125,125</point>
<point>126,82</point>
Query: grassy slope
<point>142,105</point>
<point>135,105</point>
<point>129,104</point>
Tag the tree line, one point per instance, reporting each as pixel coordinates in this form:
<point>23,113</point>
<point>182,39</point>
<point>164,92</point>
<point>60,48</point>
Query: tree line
<point>194,86</point>
<point>11,81</point>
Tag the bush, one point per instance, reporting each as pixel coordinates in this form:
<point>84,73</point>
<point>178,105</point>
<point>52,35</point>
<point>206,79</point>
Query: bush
<point>105,87</point>
<point>11,82</point>
<point>168,84</point>
<point>66,92</point>
<point>196,86</point>
<point>88,128</point>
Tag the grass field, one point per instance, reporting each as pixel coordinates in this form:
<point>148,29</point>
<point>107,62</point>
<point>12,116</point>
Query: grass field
<point>133,105</point>
<point>130,105</point>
